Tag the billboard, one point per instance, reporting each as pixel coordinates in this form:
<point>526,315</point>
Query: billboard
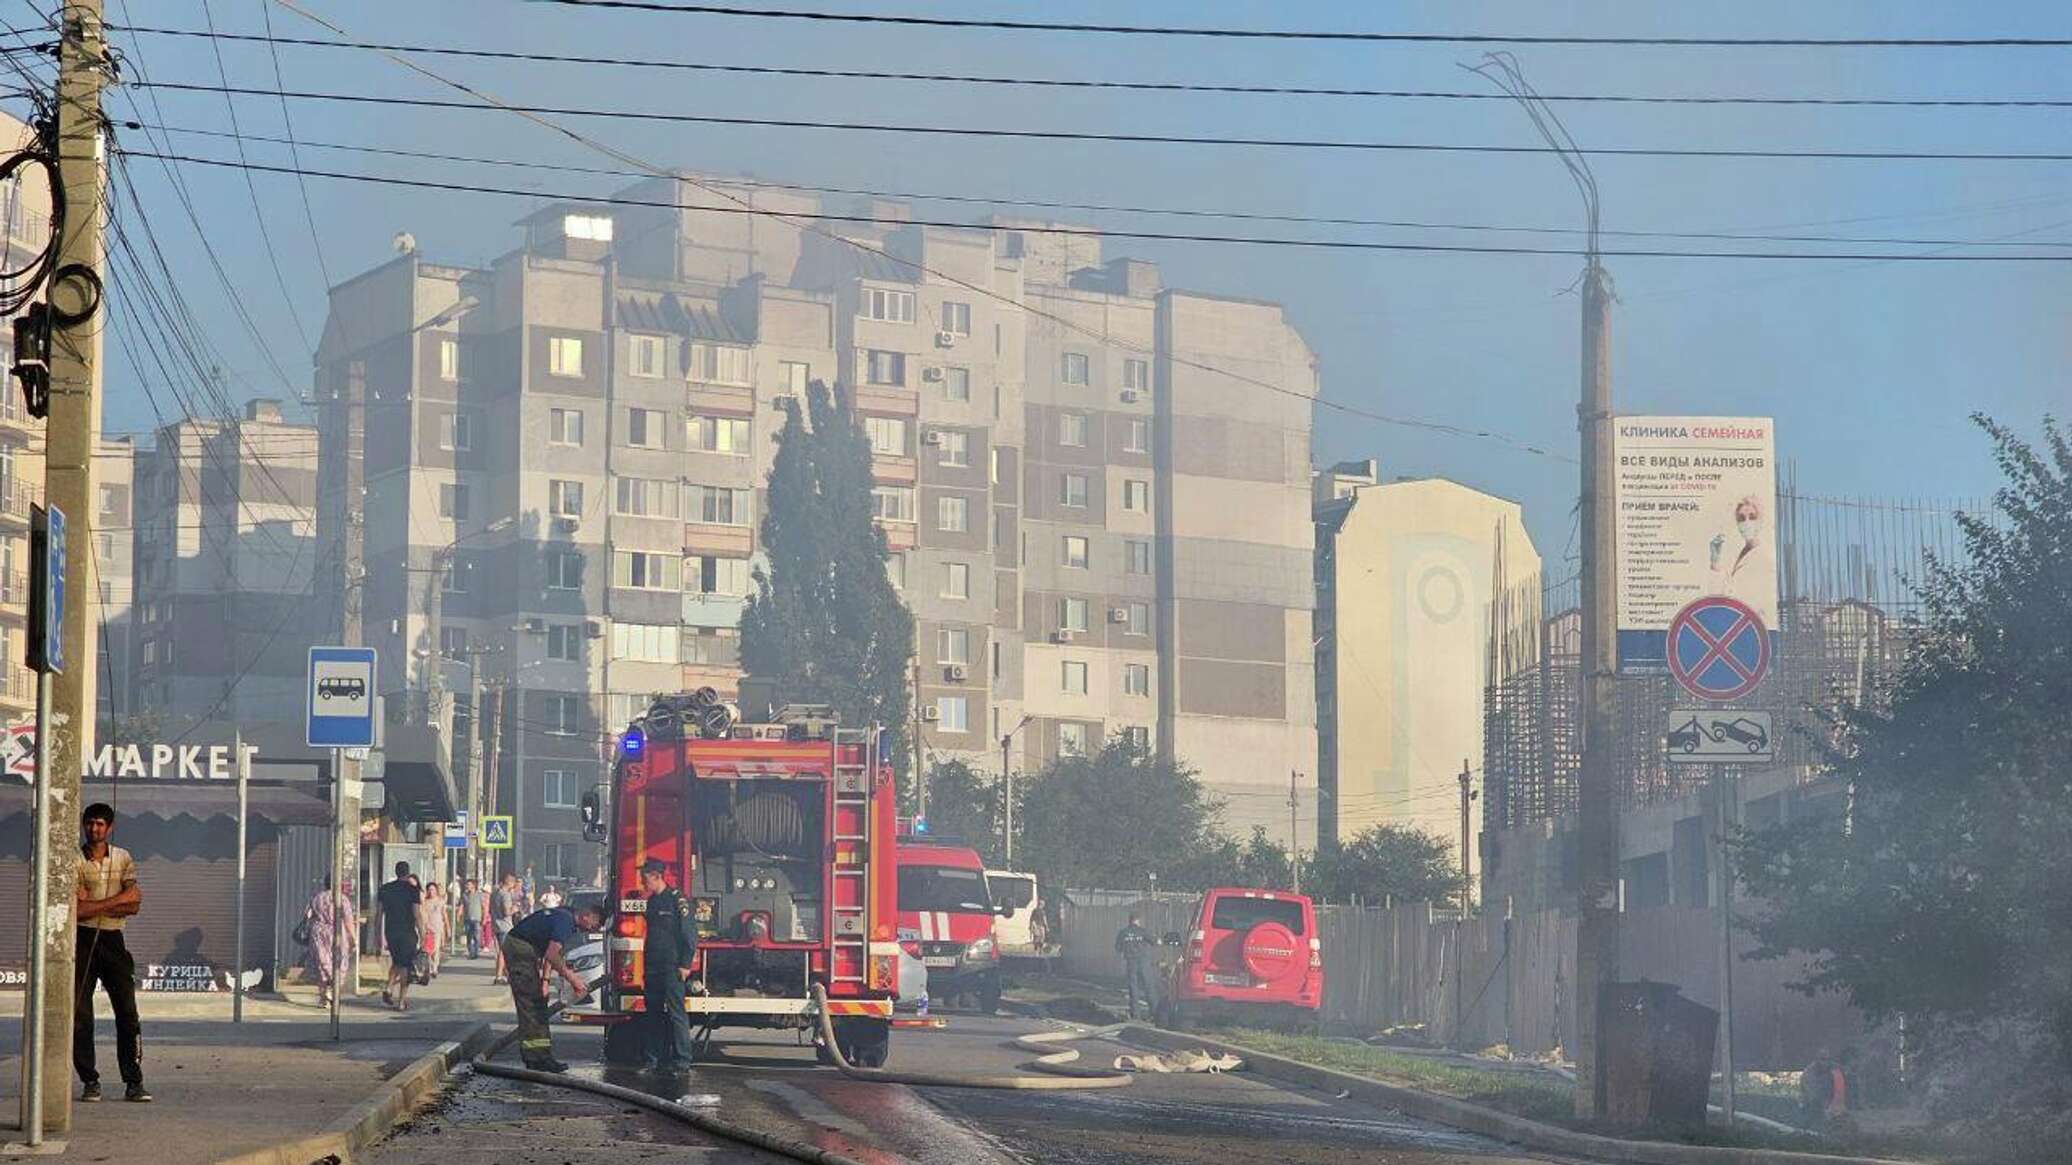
<point>1695,500</point>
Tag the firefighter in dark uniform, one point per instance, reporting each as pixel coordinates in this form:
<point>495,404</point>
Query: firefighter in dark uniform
<point>540,941</point>
<point>672,939</point>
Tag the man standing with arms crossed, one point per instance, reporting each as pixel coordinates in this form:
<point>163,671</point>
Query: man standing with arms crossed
<point>666,963</point>
<point>107,894</point>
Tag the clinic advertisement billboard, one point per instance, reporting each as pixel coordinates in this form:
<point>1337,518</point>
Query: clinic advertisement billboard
<point>1695,500</point>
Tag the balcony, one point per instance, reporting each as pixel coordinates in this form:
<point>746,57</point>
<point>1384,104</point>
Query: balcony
<point>16,496</point>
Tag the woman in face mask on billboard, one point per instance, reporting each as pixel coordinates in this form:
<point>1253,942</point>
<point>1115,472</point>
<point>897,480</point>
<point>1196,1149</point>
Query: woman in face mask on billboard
<point>1744,556</point>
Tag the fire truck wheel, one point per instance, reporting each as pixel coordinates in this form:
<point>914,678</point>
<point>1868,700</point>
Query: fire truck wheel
<point>989,994</point>
<point>623,1043</point>
<point>866,1042</point>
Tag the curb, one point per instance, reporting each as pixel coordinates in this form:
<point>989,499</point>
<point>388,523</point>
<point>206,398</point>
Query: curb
<point>371,1119</point>
<point>1488,1121</point>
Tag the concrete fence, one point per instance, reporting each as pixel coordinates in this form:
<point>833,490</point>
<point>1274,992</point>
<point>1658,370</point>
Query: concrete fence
<point>1487,979</point>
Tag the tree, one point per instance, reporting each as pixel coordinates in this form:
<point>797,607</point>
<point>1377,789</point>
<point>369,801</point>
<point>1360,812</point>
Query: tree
<point>1384,863</point>
<point>1940,895</point>
<point>825,623</point>
<point>1112,819</point>
<point>965,802</point>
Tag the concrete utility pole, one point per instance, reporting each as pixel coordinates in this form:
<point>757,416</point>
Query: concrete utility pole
<point>1467,798</point>
<point>75,420</point>
<point>1726,798</point>
<point>1294,834</point>
<point>345,794</point>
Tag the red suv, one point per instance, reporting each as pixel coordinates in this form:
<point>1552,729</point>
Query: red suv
<point>1253,957</point>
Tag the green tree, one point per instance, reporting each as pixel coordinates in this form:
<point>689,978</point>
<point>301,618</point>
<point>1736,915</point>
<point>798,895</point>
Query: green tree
<point>1384,863</point>
<point>965,802</point>
<point>1112,819</point>
<point>1941,894</point>
<point>1264,863</point>
<point>825,623</point>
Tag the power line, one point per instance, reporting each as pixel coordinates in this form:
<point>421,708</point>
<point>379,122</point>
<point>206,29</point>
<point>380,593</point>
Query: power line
<point>1095,207</point>
<point>1356,145</point>
<point>1314,34</point>
<point>1086,83</point>
<point>1085,232</point>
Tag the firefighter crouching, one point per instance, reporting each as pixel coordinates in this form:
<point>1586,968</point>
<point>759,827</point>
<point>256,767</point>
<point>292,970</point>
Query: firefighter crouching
<point>543,937</point>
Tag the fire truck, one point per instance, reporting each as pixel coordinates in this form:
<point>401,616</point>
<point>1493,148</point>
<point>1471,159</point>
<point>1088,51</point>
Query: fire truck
<point>779,831</point>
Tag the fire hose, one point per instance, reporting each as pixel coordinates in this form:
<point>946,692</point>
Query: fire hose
<point>1053,1063</point>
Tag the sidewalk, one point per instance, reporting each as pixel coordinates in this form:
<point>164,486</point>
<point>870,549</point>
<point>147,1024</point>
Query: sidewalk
<point>223,1089</point>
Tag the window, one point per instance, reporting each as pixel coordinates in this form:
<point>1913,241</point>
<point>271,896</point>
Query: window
<point>709,575</point>
<point>1072,429</point>
<point>453,501</point>
<point>993,465</point>
<point>1137,437</point>
<point>1075,551</point>
<point>644,570</point>
<point>594,227</point>
<point>644,428</point>
<point>1072,490</point>
<point>952,645</point>
<point>1136,374</point>
<point>718,505</point>
<point>888,435</point>
<point>558,788</point>
<point>956,383</point>
<point>1137,618</point>
<point>1136,557</point>
<point>893,503</point>
<point>1072,614</point>
<point>1071,739</point>
<point>1072,369</point>
<point>454,579</point>
<point>895,569</point>
<point>952,714</point>
<point>110,504</point>
<point>565,498</point>
<point>1138,738</point>
<point>646,642</point>
<point>995,646</point>
<point>727,435</point>
<point>565,570</point>
<point>644,356</point>
<point>956,318</point>
<point>449,359</point>
<point>717,363</point>
<point>881,367</point>
<point>1136,679</point>
<point>792,375</point>
<point>562,717</point>
<point>456,432</point>
<point>953,515</point>
<point>1136,496</point>
<point>565,642</point>
<point>564,356</point>
<point>646,497</point>
<point>955,446</point>
<point>453,642</point>
<point>1073,680</point>
<point>565,427</point>
<point>713,647</point>
<point>880,303</point>
<point>956,580</point>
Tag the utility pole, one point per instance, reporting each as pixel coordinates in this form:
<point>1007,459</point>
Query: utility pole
<point>1726,798</point>
<point>1294,834</point>
<point>75,420</point>
<point>350,423</point>
<point>1467,798</point>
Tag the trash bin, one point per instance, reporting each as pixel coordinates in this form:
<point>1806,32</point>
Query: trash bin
<point>1656,1051</point>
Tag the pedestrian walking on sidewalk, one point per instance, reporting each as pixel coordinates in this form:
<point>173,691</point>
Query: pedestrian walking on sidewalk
<point>431,923</point>
<point>538,943</point>
<point>396,903</point>
<point>671,941</point>
<point>107,896</point>
<point>504,912</point>
<point>334,937</point>
<point>474,915</point>
<point>1136,945</point>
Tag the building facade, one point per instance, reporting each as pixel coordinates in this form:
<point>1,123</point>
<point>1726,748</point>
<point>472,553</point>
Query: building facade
<point>1406,574</point>
<point>115,465</point>
<point>562,457</point>
<point>25,207</point>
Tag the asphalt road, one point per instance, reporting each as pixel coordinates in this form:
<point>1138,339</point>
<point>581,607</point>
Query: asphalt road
<point>770,1082</point>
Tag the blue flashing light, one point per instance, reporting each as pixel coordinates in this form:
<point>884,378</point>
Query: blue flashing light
<point>920,825</point>
<point>633,742</point>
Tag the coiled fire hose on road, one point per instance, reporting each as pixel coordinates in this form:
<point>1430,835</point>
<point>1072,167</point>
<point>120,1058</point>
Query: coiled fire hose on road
<point>1052,1062</point>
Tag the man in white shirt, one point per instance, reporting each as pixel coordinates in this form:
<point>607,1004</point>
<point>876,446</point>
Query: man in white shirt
<point>107,895</point>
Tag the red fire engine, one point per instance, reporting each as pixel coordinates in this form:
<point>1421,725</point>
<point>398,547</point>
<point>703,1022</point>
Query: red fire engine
<point>780,834</point>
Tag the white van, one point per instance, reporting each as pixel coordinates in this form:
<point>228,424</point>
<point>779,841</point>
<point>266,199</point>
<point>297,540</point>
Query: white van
<point>1021,932</point>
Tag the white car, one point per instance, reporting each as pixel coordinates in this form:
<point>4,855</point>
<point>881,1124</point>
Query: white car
<point>913,979</point>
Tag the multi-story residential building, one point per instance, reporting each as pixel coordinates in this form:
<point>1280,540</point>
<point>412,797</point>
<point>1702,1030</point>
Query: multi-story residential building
<point>224,551</point>
<point>572,441</point>
<point>25,208</point>
<point>1407,572</point>
<point>115,463</point>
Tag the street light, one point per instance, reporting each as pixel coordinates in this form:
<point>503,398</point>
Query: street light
<point>1007,789</point>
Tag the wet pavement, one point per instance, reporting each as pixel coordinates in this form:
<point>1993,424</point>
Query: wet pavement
<point>769,1081</point>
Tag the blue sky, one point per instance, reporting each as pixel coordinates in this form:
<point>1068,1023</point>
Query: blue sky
<point>1870,368</point>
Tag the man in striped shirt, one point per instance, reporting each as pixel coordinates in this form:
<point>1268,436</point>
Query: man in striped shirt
<point>107,895</point>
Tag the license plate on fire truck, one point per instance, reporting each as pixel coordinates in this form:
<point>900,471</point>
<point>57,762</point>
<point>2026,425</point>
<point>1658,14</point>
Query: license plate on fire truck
<point>939,961</point>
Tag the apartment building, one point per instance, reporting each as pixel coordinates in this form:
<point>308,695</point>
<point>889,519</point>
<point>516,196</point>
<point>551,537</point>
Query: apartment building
<point>115,465</point>
<point>25,217</point>
<point>224,550</point>
<point>1406,574</point>
<point>572,441</point>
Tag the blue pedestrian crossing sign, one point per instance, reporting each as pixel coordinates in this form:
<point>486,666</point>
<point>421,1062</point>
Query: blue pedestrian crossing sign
<point>496,832</point>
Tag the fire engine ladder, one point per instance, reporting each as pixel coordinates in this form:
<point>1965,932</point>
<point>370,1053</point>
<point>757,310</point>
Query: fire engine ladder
<point>850,914</point>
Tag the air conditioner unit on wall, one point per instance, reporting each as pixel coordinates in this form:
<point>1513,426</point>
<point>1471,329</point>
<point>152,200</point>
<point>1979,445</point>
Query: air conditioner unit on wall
<point>932,437</point>
<point>567,525</point>
<point>593,630</point>
<point>930,714</point>
<point>945,339</point>
<point>1061,636</point>
<point>1118,614</point>
<point>779,400</point>
<point>931,374</point>
<point>955,673</point>
<point>1129,396</point>
<point>536,626</point>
